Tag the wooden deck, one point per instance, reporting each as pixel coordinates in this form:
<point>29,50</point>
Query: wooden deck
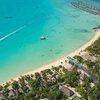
<point>86,7</point>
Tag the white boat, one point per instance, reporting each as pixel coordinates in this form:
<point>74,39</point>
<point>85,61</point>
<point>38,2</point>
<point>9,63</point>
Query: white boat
<point>43,38</point>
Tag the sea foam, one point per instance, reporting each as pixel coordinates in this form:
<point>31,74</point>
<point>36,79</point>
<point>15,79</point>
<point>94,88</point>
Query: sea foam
<point>10,34</point>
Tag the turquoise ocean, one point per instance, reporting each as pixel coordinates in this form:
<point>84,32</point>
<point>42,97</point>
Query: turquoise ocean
<point>23,22</point>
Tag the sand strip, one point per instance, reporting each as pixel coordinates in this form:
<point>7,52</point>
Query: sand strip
<point>58,62</point>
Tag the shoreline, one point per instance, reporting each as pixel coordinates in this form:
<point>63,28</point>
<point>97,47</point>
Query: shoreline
<point>58,62</point>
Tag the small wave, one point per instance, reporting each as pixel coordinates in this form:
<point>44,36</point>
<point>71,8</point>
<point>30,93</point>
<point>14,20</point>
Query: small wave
<point>10,34</point>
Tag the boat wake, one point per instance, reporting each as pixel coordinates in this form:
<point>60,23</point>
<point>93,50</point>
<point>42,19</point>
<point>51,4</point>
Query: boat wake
<point>10,34</point>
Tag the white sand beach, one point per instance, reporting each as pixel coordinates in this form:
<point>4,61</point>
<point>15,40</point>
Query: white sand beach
<point>58,62</point>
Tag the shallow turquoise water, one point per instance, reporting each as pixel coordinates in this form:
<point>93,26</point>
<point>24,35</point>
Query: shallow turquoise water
<point>65,27</point>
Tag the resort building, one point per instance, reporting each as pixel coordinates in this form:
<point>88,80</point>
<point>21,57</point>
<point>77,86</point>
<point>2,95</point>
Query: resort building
<point>66,91</point>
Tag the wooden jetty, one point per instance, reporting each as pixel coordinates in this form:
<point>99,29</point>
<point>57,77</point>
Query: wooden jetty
<point>86,7</point>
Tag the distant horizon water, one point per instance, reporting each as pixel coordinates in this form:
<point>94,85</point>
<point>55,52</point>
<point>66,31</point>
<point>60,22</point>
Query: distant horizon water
<point>23,22</point>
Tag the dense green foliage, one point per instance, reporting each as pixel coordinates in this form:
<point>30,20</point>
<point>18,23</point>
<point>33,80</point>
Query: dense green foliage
<point>88,92</point>
<point>43,85</point>
<point>94,49</point>
<point>46,83</point>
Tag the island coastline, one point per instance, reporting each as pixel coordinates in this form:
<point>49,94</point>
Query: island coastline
<point>58,62</point>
